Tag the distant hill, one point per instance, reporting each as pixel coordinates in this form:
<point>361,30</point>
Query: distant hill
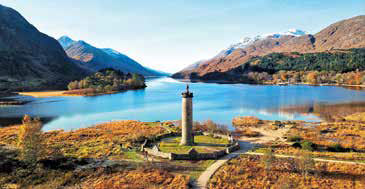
<point>345,34</point>
<point>94,59</point>
<point>30,59</point>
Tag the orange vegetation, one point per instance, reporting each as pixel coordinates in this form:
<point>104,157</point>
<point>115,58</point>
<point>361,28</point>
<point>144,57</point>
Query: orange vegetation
<point>138,179</point>
<point>246,121</point>
<point>249,172</point>
<point>248,132</point>
<point>347,134</point>
<point>356,117</point>
<point>335,140</point>
<point>348,156</point>
<point>97,141</point>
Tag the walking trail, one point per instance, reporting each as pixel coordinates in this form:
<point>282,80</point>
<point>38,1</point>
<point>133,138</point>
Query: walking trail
<point>205,176</point>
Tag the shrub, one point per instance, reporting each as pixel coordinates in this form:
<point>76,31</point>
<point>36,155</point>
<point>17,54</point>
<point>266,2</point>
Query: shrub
<point>211,127</point>
<point>296,145</point>
<point>294,138</point>
<point>30,139</point>
<point>337,148</point>
<point>249,133</point>
<point>307,145</point>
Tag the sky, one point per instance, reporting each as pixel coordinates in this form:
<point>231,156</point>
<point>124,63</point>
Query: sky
<point>170,35</point>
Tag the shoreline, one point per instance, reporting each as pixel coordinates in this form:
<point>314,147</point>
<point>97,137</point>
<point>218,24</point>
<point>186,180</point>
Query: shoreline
<point>48,94</point>
<point>45,94</point>
<point>64,93</point>
<point>273,84</point>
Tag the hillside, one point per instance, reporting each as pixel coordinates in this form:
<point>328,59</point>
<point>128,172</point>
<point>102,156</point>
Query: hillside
<point>95,59</point>
<point>331,67</point>
<point>29,59</point>
<point>345,34</point>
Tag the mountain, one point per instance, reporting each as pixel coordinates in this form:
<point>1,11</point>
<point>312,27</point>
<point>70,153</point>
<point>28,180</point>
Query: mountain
<point>255,46</point>
<point>29,59</point>
<point>345,34</point>
<point>195,65</point>
<point>246,41</point>
<point>94,59</point>
<point>65,41</point>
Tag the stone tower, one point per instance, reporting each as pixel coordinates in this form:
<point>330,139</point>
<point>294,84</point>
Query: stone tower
<point>187,138</point>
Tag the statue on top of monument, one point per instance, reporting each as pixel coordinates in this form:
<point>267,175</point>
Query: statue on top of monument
<point>187,93</point>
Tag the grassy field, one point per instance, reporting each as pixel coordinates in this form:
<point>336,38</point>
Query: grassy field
<point>342,140</point>
<point>251,172</point>
<point>70,174</point>
<point>101,156</point>
<point>102,140</point>
<point>202,144</point>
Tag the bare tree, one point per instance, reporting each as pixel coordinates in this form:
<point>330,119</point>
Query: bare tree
<point>30,139</point>
<point>267,159</point>
<point>306,164</point>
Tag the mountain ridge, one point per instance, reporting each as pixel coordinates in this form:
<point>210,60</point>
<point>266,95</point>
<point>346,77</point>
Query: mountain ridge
<point>344,34</point>
<point>246,41</point>
<point>95,59</point>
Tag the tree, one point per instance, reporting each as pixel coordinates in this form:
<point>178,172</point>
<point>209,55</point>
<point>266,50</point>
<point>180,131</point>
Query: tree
<point>357,78</point>
<point>137,80</point>
<point>283,76</point>
<point>30,139</point>
<point>99,89</point>
<point>116,85</point>
<point>108,88</point>
<point>73,85</point>
<point>267,159</point>
<point>210,126</point>
<point>275,78</point>
<point>306,163</point>
<point>312,77</point>
<point>339,78</point>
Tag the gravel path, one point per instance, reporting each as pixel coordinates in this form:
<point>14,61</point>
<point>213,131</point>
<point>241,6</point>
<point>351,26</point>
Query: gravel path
<point>205,176</point>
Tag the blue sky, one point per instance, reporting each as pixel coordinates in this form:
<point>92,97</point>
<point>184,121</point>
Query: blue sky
<point>169,35</point>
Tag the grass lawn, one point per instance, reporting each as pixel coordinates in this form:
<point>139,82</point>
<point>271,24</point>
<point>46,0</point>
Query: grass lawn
<point>203,144</point>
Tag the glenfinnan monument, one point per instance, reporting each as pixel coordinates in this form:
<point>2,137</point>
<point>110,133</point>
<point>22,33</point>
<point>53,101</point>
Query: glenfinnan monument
<point>187,138</point>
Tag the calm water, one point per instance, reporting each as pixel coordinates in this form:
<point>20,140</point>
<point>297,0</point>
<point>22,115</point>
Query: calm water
<point>161,100</point>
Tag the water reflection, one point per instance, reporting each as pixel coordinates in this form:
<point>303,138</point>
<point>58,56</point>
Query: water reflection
<point>325,111</point>
<point>161,100</point>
